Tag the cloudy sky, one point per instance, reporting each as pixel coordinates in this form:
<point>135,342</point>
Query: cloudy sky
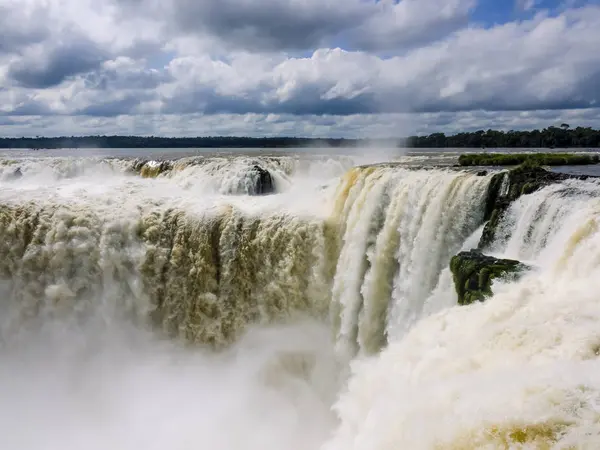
<point>352,68</point>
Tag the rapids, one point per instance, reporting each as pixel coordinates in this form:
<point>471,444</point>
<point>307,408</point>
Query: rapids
<point>153,303</point>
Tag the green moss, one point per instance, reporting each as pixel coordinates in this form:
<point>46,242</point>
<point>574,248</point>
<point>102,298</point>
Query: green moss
<point>515,159</point>
<point>529,188</point>
<point>525,179</point>
<point>493,193</point>
<point>474,274</point>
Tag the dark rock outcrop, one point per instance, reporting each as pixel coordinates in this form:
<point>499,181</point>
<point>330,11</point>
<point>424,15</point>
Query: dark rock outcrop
<point>514,159</point>
<point>506,187</point>
<point>473,274</point>
<point>151,169</point>
<point>16,174</point>
<point>263,182</point>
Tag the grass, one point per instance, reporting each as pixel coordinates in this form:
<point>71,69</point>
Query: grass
<point>515,159</point>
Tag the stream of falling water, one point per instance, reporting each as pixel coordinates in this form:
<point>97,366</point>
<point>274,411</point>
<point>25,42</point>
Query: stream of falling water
<point>158,305</point>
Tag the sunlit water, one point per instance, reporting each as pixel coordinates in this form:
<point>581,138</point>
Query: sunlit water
<point>178,312</point>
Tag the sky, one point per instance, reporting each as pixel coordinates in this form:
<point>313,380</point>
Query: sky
<point>313,68</point>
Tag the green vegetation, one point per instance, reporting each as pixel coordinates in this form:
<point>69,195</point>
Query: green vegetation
<point>506,187</point>
<point>474,273</point>
<point>167,142</point>
<point>551,137</point>
<point>515,159</point>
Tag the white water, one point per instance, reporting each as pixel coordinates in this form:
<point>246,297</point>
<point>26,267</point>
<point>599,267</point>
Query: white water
<point>401,228</point>
<point>81,367</point>
<point>122,389</point>
<point>518,371</point>
<point>223,175</point>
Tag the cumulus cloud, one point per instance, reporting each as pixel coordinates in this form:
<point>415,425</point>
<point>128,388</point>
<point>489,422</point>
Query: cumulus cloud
<point>41,67</point>
<point>257,125</point>
<point>268,24</point>
<point>543,63</point>
<point>272,25</point>
<point>346,61</point>
<point>525,5</point>
<point>411,22</point>
<point>124,73</point>
<point>21,27</point>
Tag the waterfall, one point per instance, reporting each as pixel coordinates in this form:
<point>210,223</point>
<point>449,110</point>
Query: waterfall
<point>203,269</point>
<point>518,371</point>
<point>202,278</point>
<point>172,303</point>
<point>399,229</point>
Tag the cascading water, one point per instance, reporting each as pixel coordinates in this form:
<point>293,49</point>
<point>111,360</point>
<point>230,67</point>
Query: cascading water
<point>103,262</point>
<point>518,371</point>
<point>201,264</point>
<point>399,229</point>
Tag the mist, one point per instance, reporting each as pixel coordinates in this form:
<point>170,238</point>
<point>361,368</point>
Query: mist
<point>72,386</point>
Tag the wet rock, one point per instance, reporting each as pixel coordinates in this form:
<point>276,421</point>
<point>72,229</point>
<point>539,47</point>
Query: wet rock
<point>473,274</point>
<point>16,174</point>
<point>514,159</point>
<point>151,169</point>
<point>506,187</point>
<point>263,182</point>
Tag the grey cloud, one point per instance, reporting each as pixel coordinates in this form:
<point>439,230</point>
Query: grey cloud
<point>31,107</point>
<point>377,125</point>
<point>504,120</point>
<point>41,70</point>
<point>292,25</point>
<point>411,23</point>
<point>207,101</point>
<point>125,78</point>
<point>7,121</point>
<point>113,107</point>
<point>16,39</point>
<point>212,104</point>
<point>19,30</point>
<point>548,63</point>
<point>545,63</point>
<point>267,25</point>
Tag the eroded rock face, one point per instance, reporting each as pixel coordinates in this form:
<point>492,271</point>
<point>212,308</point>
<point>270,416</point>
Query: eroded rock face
<point>506,187</point>
<point>251,180</point>
<point>474,272</point>
<point>263,182</point>
<point>16,174</point>
<point>151,169</point>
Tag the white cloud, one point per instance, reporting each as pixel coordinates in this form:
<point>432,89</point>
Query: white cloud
<point>352,126</point>
<point>412,21</point>
<point>270,25</point>
<point>526,5</point>
<point>120,58</point>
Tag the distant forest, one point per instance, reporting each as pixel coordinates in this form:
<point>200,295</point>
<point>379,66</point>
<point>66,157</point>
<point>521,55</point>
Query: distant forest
<point>551,137</point>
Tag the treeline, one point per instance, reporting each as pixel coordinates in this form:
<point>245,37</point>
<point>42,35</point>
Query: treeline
<point>167,142</point>
<point>551,137</point>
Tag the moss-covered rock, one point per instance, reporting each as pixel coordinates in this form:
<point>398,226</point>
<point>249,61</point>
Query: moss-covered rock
<point>514,159</point>
<point>506,187</point>
<point>473,274</point>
